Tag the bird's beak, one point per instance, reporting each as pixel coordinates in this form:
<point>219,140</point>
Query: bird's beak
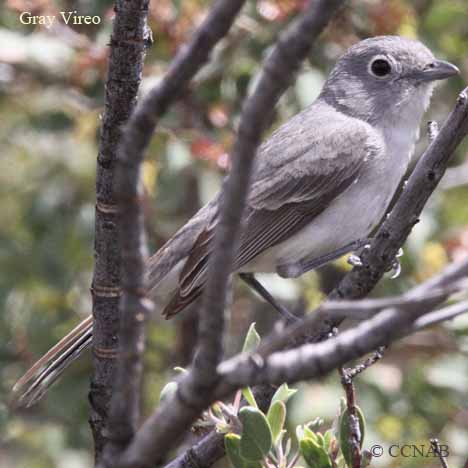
<point>437,70</point>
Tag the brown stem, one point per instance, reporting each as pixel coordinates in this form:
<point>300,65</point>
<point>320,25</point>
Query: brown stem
<point>370,361</point>
<point>438,450</point>
<point>354,429</point>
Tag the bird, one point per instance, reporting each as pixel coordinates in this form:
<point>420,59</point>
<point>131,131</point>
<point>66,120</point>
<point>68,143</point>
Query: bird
<point>321,183</point>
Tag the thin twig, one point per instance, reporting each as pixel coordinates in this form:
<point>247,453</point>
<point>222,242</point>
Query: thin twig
<point>376,356</point>
<point>354,429</point>
<point>313,360</point>
<point>437,449</point>
<point>441,315</point>
<point>422,297</point>
<point>347,376</point>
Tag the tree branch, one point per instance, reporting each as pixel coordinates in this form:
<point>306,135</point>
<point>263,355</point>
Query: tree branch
<point>437,449</point>
<point>357,341</point>
<point>376,356</point>
<point>211,447</point>
<point>441,315</point>
<point>195,390</point>
<point>128,43</point>
<point>124,414</point>
<point>314,360</point>
<point>363,309</point>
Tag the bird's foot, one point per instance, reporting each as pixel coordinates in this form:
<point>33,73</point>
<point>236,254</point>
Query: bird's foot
<point>395,266</point>
<point>355,259</point>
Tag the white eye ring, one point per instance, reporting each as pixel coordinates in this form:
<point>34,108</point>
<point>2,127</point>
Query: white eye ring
<point>380,67</point>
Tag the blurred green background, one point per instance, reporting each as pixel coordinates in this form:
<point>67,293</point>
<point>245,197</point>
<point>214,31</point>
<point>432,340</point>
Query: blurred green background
<point>51,97</point>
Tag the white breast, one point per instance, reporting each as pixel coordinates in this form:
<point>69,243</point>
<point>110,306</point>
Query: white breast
<point>356,212</point>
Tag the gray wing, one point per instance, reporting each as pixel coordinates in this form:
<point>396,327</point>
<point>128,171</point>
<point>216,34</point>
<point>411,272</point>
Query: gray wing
<point>298,172</point>
<point>314,168</point>
<point>179,247</point>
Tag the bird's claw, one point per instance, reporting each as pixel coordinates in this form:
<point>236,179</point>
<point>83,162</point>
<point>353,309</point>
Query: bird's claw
<point>355,259</point>
<point>395,266</point>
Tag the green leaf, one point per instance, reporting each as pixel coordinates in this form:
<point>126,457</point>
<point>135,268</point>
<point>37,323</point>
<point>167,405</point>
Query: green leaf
<point>232,446</point>
<point>344,433</point>
<point>328,436</point>
<point>256,439</point>
<point>303,432</point>
<point>314,454</point>
<point>249,396</point>
<point>168,390</point>
<point>252,339</point>
<point>276,417</point>
<point>284,393</point>
<point>320,439</point>
<point>308,432</point>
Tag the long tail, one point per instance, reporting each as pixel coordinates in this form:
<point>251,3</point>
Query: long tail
<point>163,271</point>
<point>46,371</point>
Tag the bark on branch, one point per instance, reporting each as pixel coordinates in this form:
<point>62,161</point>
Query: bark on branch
<point>313,360</point>
<point>128,42</point>
<point>124,415</point>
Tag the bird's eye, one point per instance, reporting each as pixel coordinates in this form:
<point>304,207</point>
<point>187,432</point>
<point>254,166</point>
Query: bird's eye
<point>380,68</point>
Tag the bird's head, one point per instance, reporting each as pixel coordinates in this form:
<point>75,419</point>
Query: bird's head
<point>384,77</point>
